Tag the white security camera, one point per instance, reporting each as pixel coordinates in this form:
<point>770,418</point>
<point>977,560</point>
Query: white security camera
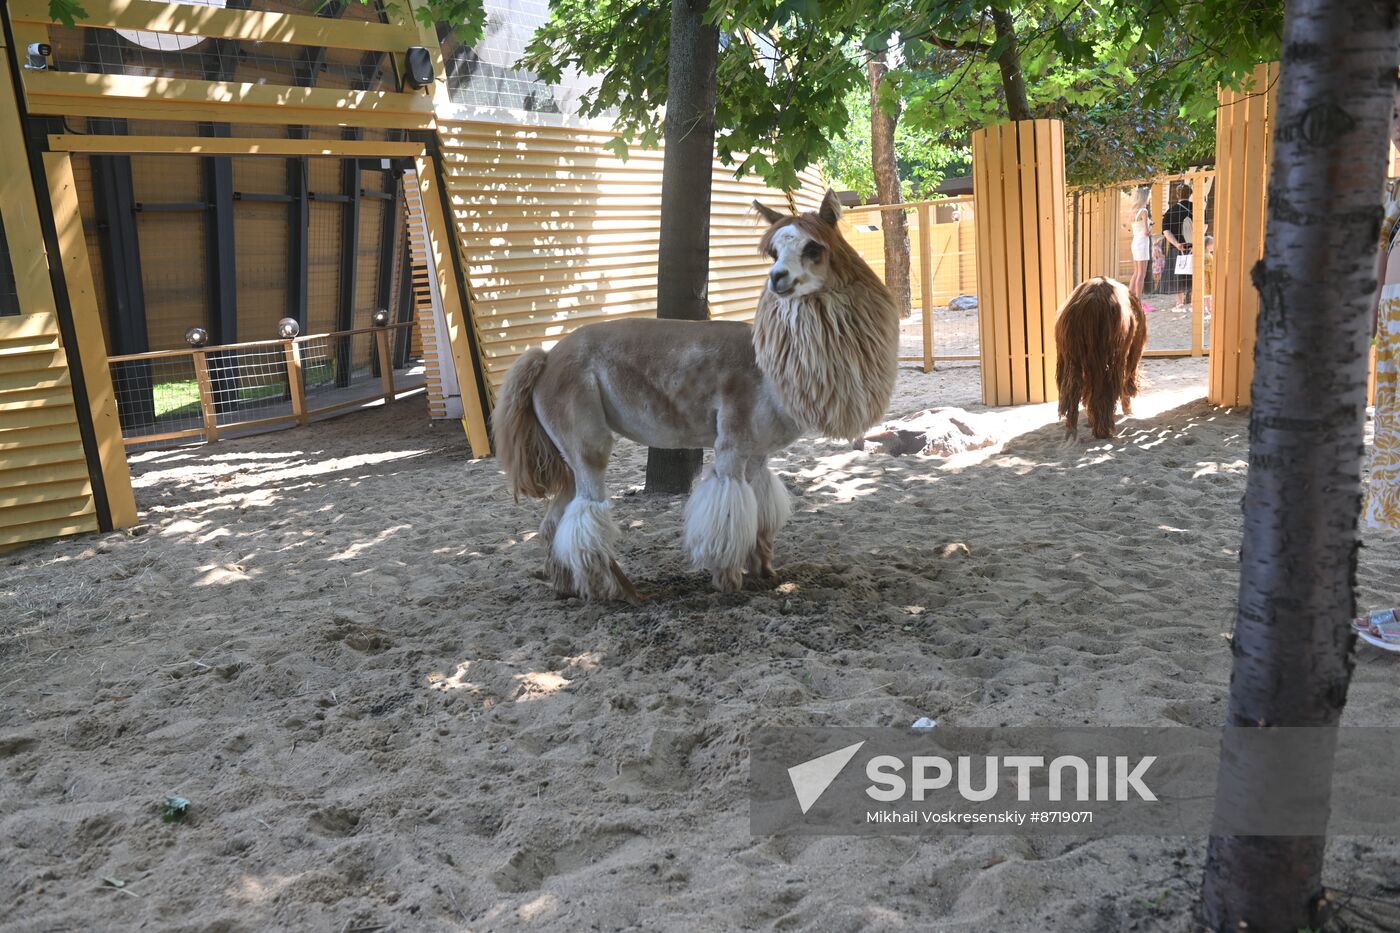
<point>38,56</point>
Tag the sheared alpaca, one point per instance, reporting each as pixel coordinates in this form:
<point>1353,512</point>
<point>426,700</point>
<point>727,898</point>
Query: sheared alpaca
<point>819,358</point>
<point>1099,337</point>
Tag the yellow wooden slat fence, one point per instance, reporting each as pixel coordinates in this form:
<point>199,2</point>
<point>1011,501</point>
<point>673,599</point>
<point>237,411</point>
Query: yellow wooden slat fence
<point>557,231</point>
<point>1244,143</point>
<point>1022,256</point>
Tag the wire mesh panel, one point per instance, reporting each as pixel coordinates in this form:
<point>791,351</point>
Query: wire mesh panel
<point>157,395</point>
<point>249,383</point>
<point>339,369</point>
<point>231,245</point>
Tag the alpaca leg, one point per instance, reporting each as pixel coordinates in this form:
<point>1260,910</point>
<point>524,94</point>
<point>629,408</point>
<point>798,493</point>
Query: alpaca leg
<point>584,544</point>
<point>558,574</point>
<point>721,521</point>
<point>774,508</point>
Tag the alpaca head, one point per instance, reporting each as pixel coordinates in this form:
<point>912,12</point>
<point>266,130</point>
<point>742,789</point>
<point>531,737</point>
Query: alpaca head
<point>801,248</point>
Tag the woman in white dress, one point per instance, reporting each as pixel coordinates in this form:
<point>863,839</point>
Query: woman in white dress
<point>1142,240</point>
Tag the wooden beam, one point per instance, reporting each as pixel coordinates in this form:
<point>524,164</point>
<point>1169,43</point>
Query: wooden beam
<point>18,205</point>
<point>454,301</point>
<point>219,23</point>
<point>98,95</point>
<point>91,354</point>
<point>232,146</point>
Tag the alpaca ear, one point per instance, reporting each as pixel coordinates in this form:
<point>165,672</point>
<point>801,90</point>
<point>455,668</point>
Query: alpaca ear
<point>767,213</point>
<point>830,211</point>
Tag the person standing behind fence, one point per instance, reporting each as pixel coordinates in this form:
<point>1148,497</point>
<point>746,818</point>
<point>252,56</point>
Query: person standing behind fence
<point>1142,239</point>
<point>1381,627</point>
<point>1176,229</point>
<point>1383,487</point>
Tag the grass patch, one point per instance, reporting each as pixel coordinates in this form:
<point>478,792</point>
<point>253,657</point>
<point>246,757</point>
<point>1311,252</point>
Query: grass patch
<point>180,399</point>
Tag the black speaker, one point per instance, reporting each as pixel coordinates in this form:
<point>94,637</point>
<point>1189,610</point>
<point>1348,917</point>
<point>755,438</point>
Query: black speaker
<point>418,67</point>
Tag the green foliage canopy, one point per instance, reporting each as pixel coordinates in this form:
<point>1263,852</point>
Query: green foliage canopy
<point>783,73</point>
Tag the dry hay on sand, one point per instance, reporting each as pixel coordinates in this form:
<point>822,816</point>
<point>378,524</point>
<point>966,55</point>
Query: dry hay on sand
<point>329,641</point>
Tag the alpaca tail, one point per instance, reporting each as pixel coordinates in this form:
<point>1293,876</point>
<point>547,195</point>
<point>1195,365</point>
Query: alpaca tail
<point>532,463</point>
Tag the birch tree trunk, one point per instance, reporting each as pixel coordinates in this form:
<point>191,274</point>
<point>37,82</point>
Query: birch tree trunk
<point>683,260</point>
<point>1317,284</point>
<point>885,163</point>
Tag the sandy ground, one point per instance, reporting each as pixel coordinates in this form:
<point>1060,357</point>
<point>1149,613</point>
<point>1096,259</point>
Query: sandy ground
<point>335,643</point>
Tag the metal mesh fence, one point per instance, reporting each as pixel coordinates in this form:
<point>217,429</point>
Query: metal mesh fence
<point>179,55</point>
<point>249,383</point>
<point>157,396</point>
<point>180,394</point>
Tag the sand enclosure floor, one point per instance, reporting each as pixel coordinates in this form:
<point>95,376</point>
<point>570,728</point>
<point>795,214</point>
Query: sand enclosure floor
<point>335,643</point>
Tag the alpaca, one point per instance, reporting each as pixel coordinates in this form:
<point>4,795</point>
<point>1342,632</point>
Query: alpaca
<point>820,357</point>
<point>1099,338</point>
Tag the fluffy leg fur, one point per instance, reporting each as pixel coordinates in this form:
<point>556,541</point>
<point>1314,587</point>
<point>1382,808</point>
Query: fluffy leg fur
<point>585,543</point>
<point>559,575</point>
<point>774,507</point>
<point>721,526</point>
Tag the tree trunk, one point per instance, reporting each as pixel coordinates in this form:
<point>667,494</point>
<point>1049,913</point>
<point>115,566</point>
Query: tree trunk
<point>683,261</point>
<point>1018,105</point>
<point>1317,284</point>
<point>887,190</point>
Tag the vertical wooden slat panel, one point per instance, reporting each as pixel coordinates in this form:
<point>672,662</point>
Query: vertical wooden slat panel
<point>101,397</point>
<point>1058,259</point>
<point>1232,203</point>
<point>994,216</point>
<point>1031,237</point>
<point>981,186</point>
<point>1255,207</point>
<point>1243,149</point>
<point>926,283</point>
<point>1014,161</point>
<point>1215,387</point>
<point>1020,195</point>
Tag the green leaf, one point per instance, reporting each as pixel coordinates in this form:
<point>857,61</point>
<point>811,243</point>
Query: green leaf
<point>66,12</point>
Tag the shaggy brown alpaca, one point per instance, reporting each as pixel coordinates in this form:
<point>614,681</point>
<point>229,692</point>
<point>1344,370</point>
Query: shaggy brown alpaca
<point>1099,335</point>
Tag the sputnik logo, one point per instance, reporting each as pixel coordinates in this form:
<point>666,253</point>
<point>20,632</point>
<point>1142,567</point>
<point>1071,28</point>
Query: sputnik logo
<point>811,778</point>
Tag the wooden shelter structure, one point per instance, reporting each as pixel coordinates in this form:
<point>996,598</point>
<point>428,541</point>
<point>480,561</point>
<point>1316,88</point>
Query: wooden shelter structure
<point>187,164</point>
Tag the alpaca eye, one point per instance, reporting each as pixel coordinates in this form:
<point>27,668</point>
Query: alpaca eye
<point>812,252</point>
<point>773,255</point>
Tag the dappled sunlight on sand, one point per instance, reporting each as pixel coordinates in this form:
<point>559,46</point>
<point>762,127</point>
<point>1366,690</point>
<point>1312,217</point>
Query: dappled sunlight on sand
<point>340,643</point>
